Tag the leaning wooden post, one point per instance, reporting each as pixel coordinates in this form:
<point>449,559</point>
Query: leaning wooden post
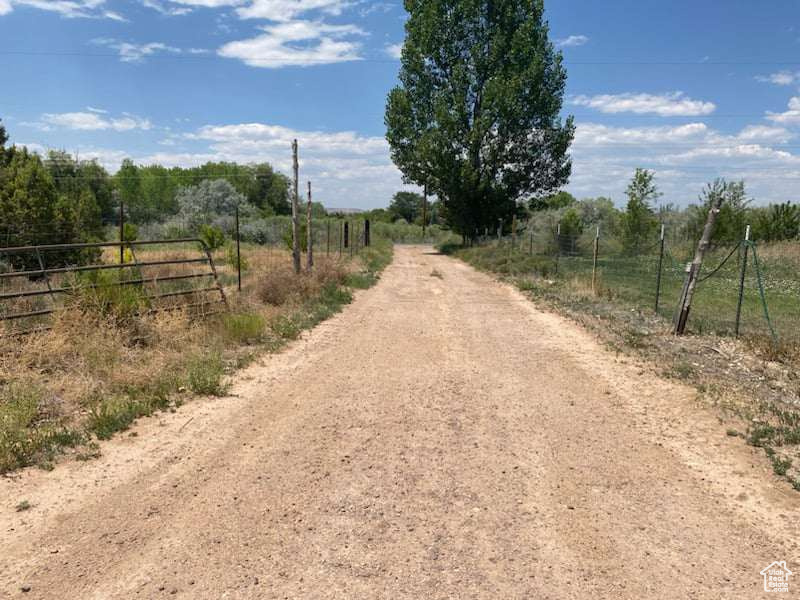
<point>309,234</point>
<point>693,268</point>
<point>295,210</point>
<point>741,280</point>
<point>660,268</point>
<point>594,260</point>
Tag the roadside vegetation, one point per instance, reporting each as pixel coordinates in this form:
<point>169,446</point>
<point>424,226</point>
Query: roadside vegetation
<point>751,382</point>
<point>102,366</point>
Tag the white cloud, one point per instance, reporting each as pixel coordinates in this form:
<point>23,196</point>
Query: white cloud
<point>281,10</point>
<point>765,134</point>
<point>136,53</point>
<point>99,111</point>
<point>297,43</point>
<point>684,158</point>
<point>572,41</point>
<point>674,104</point>
<point>66,8</point>
<point>781,78</point>
<point>91,121</point>
<point>791,116</point>
<point>394,50</point>
<point>172,11</point>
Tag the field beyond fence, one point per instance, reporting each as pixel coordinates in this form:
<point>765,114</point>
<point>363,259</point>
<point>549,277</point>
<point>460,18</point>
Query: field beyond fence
<point>650,279</point>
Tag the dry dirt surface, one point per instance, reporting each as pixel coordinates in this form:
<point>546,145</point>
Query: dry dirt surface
<point>440,438</point>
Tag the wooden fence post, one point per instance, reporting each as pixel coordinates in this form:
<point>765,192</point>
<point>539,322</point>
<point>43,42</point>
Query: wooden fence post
<point>309,234</point>
<point>238,251</point>
<point>594,260</point>
<point>295,210</point>
<point>693,268</point>
<point>660,267</point>
<point>741,280</point>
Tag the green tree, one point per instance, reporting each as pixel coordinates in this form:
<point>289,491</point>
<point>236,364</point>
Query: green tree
<point>732,217</point>
<point>129,184</point>
<point>476,116</point>
<point>639,222</point>
<point>776,222</point>
<point>406,205</point>
<point>555,201</point>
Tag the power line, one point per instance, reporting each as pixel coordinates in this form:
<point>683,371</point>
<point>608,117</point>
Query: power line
<point>282,59</point>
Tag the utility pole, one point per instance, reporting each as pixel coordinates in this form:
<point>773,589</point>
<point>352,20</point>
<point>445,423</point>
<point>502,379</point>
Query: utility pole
<point>295,210</point>
<point>310,234</point>
<point>693,268</point>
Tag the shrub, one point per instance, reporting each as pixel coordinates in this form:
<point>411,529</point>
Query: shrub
<point>244,328</point>
<point>213,237</point>
<point>101,292</point>
<point>21,444</point>
<point>204,374</point>
<point>233,259</point>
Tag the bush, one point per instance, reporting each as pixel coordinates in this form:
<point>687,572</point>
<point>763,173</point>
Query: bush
<point>21,443</point>
<point>130,232</point>
<point>244,328</point>
<point>213,237</point>
<point>204,375</point>
<point>102,292</point>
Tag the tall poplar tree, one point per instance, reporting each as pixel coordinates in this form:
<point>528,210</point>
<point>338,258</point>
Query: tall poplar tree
<point>476,116</point>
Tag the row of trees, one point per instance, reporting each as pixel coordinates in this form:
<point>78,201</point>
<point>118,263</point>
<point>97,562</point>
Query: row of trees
<point>637,225</point>
<point>61,199</point>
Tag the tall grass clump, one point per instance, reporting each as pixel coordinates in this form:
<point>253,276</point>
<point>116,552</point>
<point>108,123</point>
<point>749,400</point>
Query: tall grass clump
<point>22,444</point>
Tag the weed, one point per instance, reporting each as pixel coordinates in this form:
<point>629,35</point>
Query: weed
<point>205,373</point>
<point>23,506</point>
<point>23,439</point>
<point>781,465</point>
<point>360,281</point>
<point>760,434</point>
<point>243,328</point>
<point>732,433</point>
<point>285,327</point>
<point>682,370</point>
<point>113,415</point>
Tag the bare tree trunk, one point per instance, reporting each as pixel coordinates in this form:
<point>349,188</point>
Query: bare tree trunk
<point>295,210</point>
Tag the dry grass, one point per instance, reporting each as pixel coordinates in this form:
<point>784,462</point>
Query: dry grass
<point>100,368</point>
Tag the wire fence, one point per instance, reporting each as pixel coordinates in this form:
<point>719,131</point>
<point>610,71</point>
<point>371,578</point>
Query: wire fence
<point>744,288</point>
<point>242,255</point>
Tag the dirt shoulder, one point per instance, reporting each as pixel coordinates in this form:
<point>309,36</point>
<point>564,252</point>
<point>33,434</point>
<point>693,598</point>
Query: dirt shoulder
<point>441,437</point>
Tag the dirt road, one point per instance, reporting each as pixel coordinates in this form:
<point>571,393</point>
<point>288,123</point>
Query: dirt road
<point>441,438</point>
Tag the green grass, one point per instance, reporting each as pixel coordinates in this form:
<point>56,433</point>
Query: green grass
<point>631,281</point>
<point>205,373</point>
<point>25,439</point>
<point>243,328</point>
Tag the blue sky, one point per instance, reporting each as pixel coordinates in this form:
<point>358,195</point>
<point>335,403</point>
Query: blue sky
<point>693,90</point>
